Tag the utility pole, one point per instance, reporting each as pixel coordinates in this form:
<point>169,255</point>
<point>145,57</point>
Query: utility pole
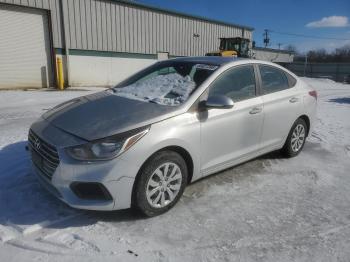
<point>266,37</point>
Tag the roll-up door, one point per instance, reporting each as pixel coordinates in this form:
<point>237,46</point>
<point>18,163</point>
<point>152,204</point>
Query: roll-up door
<point>25,56</point>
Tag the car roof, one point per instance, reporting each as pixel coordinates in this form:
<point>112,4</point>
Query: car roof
<point>222,61</point>
<point>214,60</point>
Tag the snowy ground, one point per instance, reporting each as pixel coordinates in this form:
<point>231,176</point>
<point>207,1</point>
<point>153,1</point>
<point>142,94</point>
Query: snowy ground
<point>269,209</point>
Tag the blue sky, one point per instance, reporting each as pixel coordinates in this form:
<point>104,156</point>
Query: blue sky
<point>326,18</point>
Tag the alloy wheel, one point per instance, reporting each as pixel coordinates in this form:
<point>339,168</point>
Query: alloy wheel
<point>298,137</point>
<point>164,185</point>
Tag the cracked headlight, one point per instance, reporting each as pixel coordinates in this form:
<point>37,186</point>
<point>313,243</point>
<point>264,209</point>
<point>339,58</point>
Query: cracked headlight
<point>107,148</point>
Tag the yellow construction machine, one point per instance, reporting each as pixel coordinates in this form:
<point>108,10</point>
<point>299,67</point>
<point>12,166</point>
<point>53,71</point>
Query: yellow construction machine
<point>236,47</point>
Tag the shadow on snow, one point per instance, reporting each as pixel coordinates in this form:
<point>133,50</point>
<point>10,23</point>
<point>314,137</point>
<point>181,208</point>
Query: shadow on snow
<point>24,202</point>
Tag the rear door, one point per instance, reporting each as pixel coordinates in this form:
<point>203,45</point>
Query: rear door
<point>229,135</point>
<point>281,102</point>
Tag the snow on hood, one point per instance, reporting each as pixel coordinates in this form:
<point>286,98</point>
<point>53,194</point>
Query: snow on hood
<point>170,89</point>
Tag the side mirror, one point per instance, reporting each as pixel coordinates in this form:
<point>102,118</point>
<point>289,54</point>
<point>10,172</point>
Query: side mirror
<point>219,102</point>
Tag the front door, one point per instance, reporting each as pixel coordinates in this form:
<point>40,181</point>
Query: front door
<point>230,135</point>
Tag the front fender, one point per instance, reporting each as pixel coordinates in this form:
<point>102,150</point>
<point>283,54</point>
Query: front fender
<point>181,131</point>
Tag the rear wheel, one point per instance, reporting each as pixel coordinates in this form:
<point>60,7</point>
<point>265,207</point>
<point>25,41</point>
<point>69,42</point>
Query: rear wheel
<point>296,139</point>
<point>161,183</point>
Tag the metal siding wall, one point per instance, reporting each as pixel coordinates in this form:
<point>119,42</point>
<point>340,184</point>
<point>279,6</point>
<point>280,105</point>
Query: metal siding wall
<point>72,24</point>
<point>77,14</point>
<point>56,23</point>
<point>109,27</point>
<point>160,34</point>
<point>113,28</point>
<point>127,30</point>
<point>104,25</point>
<point>194,39</point>
<point>83,22</point>
<point>89,24</point>
<point>135,36</point>
<point>122,29</point>
<point>94,28</point>
<point>153,37</point>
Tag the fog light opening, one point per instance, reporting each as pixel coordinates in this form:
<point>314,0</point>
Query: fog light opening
<point>90,191</point>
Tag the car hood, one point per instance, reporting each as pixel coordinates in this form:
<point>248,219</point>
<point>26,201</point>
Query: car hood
<point>104,114</point>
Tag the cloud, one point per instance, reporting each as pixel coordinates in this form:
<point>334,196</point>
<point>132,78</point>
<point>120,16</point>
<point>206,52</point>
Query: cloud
<point>330,21</point>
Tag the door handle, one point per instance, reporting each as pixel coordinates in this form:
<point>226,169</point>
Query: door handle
<point>255,110</point>
<point>293,100</point>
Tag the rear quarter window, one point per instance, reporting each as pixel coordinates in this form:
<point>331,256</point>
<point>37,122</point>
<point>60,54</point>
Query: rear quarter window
<point>291,80</point>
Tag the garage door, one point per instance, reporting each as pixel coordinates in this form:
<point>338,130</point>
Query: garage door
<point>25,59</point>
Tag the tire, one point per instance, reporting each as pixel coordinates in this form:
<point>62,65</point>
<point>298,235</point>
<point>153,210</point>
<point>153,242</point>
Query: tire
<point>295,143</point>
<point>154,193</point>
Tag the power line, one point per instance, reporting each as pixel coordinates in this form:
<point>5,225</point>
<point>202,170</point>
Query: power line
<point>309,36</point>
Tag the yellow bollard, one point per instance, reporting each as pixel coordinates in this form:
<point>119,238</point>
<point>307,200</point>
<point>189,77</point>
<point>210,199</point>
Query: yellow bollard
<point>60,77</point>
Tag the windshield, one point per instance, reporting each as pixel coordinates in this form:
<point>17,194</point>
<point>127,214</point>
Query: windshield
<point>167,83</point>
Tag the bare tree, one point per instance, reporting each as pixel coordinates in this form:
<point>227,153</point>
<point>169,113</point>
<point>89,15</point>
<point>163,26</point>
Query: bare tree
<point>291,48</point>
<point>341,54</point>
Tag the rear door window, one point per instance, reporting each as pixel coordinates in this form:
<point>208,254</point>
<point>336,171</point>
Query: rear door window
<point>273,79</point>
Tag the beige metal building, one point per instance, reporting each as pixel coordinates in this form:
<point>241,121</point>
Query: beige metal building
<point>101,41</point>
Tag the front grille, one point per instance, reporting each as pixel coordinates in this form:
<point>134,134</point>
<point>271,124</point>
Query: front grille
<point>44,156</point>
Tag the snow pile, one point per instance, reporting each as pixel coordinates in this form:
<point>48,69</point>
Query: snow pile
<point>324,84</point>
<point>171,89</point>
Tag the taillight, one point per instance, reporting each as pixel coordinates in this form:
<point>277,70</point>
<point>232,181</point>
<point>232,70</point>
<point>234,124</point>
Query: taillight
<point>313,93</point>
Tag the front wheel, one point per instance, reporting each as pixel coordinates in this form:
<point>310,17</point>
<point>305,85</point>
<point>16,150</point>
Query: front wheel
<point>160,183</point>
<point>296,139</point>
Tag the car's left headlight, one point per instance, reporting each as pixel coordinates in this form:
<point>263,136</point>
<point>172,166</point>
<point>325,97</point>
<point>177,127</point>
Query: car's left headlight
<point>107,148</point>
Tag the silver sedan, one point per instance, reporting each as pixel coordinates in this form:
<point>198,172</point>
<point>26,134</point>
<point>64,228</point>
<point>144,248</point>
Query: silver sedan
<point>141,142</point>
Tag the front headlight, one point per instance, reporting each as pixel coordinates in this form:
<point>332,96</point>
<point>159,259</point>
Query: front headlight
<point>107,148</point>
